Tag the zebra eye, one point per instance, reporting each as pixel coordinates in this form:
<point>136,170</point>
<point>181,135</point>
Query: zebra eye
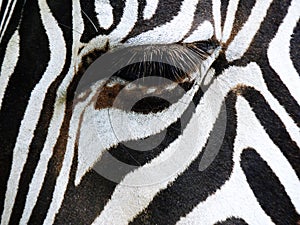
<point>126,70</point>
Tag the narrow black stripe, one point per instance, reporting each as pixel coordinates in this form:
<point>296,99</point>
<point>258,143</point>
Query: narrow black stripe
<point>34,56</point>
<point>194,186</point>
<point>274,127</point>
<point>5,19</point>
<point>11,27</point>
<point>232,221</point>
<point>267,189</point>
<point>203,12</point>
<point>41,131</point>
<point>242,15</point>
<point>224,8</point>
<point>294,47</point>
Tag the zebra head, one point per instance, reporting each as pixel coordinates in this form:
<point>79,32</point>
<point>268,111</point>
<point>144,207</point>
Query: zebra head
<point>149,112</point>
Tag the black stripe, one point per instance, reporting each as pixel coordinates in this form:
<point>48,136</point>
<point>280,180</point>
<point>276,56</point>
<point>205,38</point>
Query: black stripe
<point>294,47</point>
<point>242,14</point>
<point>203,12</point>
<point>232,221</point>
<point>34,56</point>
<point>94,190</point>
<point>88,7</point>
<point>41,131</point>
<point>159,18</point>
<point>267,189</point>
<point>224,8</point>
<point>257,52</point>
<point>274,127</point>
<point>82,204</point>
<point>139,158</point>
<point>194,186</point>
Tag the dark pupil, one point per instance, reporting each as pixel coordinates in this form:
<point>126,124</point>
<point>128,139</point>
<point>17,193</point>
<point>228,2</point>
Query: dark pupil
<point>150,104</point>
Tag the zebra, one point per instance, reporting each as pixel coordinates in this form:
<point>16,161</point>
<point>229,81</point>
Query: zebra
<point>250,79</point>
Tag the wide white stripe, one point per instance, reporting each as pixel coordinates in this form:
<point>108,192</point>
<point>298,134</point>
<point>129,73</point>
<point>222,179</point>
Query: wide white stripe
<point>150,8</point>
<point>169,32</point>
<point>279,51</point>
<point>9,63</point>
<point>216,10</point>
<point>35,104</point>
<point>230,16</point>
<point>104,13</point>
<point>243,39</point>
<point>2,25</point>
<point>203,32</point>
<point>138,197</point>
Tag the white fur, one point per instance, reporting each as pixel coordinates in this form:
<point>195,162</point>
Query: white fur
<point>131,192</point>
<point>230,200</point>
<point>242,40</point>
<point>230,16</point>
<point>203,32</point>
<point>34,107</point>
<point>279,51</point>
<point>104,13</point>
<point>9,63</point>
<point>150,9</point>
<point>107,127</point>
<point>62,180</point>
<point>216,10</point>
<point>126,24</point>
<point>169,32</point>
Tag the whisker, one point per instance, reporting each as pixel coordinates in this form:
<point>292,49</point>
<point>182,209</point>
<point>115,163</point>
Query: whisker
<point>90,20</point>
<point>69,27</point>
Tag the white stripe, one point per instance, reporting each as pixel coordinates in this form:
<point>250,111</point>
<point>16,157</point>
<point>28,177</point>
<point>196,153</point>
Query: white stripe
<point>2,25</point>
<point>192,138</point>
<point>63,178</point>
<point>33,110</point>
<point>114,126</point>
<point>229,200</point>
<point>9,63</point>
<point>230,16</point>
<point>203,32</point>
<point>279,51</point>
<point>40,171</point>
<point>169,32</point>
<point>257,138</point>
<point>216,9</point>
<point>126,24</point>
<point>243,39</point>
<point>104,13</point>
<point>150,9</point>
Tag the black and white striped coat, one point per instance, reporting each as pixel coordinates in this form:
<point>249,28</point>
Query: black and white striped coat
<point>251,81</point>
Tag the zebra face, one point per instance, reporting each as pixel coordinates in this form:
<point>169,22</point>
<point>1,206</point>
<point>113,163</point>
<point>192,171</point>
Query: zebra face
<point>149,112</point>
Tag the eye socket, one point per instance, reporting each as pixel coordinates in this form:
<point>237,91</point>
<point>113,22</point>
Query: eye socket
<point>117,69</point>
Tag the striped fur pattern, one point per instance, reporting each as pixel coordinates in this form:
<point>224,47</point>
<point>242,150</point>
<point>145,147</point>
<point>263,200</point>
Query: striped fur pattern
<point>46,174</point>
